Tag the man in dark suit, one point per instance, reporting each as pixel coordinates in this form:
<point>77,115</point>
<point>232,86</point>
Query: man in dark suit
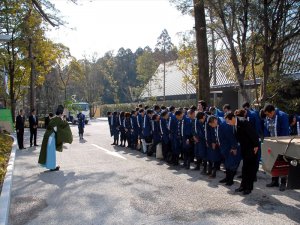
<point>33,125</point>
<point>20,120</point>
<point>249,142</point>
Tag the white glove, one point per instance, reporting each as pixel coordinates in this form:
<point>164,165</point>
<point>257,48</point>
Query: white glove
<point>55,129</point>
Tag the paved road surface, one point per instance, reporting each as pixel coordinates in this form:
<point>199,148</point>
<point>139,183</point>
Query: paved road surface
<point>100,184</point>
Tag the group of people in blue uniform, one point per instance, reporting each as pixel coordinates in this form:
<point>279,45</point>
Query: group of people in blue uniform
<point>205,136</point>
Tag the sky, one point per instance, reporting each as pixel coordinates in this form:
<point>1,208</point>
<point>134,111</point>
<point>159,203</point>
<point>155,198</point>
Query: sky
<point>98,26</point>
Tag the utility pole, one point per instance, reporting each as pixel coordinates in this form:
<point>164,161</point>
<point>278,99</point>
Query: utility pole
<point>164,74</point>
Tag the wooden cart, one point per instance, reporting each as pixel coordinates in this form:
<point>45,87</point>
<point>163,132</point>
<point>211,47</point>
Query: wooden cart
<point>281,157</point>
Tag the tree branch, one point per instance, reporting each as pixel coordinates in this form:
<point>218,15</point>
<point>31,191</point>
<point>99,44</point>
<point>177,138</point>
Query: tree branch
<point>42,13</point>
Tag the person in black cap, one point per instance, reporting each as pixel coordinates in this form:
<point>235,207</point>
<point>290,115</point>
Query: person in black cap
<point>57,133</point>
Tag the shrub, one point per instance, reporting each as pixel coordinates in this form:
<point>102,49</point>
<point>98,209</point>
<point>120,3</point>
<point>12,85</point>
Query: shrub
<point>128,107</point>
<point>5,149</point>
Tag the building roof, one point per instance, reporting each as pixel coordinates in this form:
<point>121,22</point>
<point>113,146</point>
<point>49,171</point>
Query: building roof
<point>291,59</point>
<point>176,86</point>
<point>224,74</point>
<point>174,82</point>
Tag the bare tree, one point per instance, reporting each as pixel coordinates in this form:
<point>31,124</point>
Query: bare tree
<point>281,24</point>
<point>231,23</point>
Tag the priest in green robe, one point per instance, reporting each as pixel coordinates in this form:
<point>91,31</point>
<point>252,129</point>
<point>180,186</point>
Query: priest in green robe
<point>58,132</point>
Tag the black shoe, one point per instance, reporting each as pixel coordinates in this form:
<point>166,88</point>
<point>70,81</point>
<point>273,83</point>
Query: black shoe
<point>229,183</point>
<point>240,177</point>
<point>246,192</point>
<point>213,174</point>
<point>30,145</point>
<point>56,168</point>
<point>282,187</point>
<point>175,163</point>
<point>223,180</point>
<point>36,145</point>
<point>197,167</point>
<point>113,143</point>
<point>209,172</point>
<point>273,184</point>
<point>240,189</point>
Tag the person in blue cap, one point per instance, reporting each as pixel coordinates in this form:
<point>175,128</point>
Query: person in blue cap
<point>213,144</point>
<point>165,132</point>
<point>147,129</point>
<point>294,122</point>
<point>176,136</point>
<point>230,150</point>
<point>276,124</point>
<point>81,119</point>
<point>187,138</point>
<point>200,141</point>
<point>115,124</point>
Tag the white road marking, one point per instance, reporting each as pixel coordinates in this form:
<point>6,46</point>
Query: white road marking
<point>109,152</point>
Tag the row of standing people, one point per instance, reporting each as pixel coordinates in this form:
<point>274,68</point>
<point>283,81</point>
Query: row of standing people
<point>210,136</point>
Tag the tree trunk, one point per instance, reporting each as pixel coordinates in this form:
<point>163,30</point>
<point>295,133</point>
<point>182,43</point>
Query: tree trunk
<point>267,55</point>
<point>32,76</point>
<point>65,93</point>
<point>11,71</point>
<point>239,75</point>
<point>254,74</point>
<point>214,66</point>
<point>11,89</point>
<point>202,50</point>
<point>243,89</point>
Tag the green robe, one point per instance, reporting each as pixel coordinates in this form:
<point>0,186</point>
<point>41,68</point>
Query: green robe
<point>63,135</point>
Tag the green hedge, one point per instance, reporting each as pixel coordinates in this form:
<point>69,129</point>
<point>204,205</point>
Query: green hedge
<point>5,149</point>
<point>128,107</point>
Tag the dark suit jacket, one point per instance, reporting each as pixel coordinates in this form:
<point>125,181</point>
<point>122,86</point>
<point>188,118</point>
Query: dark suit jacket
<point>247,137</point>
<point>20,122</point>
<point>33,122</point>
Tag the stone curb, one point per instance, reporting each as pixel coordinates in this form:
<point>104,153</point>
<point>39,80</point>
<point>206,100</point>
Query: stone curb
<point>6,188</point>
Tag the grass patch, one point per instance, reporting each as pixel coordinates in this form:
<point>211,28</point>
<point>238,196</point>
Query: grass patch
<point>5,149</point>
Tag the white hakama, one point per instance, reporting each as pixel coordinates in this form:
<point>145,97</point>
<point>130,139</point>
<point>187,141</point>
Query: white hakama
<point>51,153</point>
